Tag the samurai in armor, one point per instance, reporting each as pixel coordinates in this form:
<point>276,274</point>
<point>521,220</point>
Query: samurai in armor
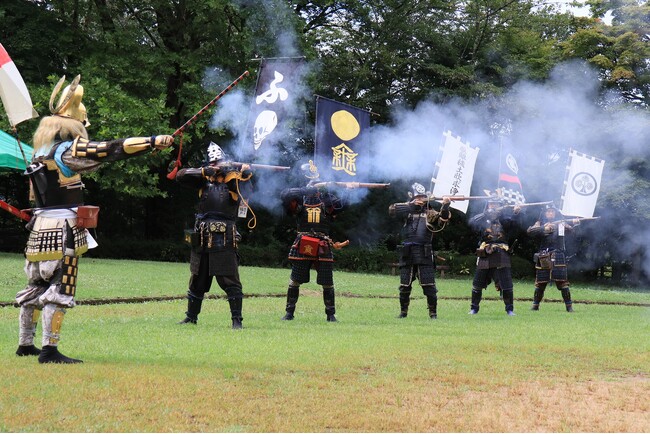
<point>550,260</point>
<point>493,259</point>
<point>315,210</point>
<point>62,151</point>
<point>215,238</point>
<point>416,251</point>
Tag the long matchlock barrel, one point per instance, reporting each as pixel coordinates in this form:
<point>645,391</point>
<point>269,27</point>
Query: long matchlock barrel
<point>454,198</point>
<point>524,205</point>
<point>254,165</point>
<point>352,184</point>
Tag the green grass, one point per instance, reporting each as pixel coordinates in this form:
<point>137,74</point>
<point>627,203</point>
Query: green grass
<point>110,279</point>
<point>537,371</point>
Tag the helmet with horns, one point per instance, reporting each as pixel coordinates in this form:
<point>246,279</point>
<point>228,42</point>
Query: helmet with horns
<point>69,104</point>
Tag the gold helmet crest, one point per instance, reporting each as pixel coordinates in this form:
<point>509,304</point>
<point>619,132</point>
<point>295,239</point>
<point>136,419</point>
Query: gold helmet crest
<point>69,104</point>
<point>310,170</point>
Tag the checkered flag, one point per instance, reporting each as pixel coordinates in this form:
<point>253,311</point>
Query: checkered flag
<point>513,197</point>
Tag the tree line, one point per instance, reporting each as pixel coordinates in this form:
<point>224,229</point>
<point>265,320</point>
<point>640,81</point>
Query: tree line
<point>149,65</point>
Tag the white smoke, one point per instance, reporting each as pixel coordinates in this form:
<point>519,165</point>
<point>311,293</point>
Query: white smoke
<point>542,120</point>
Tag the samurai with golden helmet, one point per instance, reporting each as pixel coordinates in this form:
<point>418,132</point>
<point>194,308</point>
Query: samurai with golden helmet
<point>58,234</point>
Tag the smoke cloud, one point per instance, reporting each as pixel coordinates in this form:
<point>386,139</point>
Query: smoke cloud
<point>540,121</point>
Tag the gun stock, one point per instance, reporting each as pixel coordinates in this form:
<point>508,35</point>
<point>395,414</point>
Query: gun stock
<point>21,214</point>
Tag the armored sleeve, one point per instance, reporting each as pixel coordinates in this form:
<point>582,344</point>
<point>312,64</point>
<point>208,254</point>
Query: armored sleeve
<point>510,221</point>
<point>193,177</point>
<point>400,209</point>
<point>291,194</point>
<point>535,230</point>
<point>476,221</point>
<point>112,150</point>
<point>334,203</point>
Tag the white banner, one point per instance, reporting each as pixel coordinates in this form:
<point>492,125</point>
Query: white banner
<point>581,185</point>
<point>13,91</point>
<point>454,170</point>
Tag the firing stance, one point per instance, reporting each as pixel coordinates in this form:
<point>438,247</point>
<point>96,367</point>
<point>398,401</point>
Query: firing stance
<point>550,259</point>
<point>56,241</point>
<point>215,237</point>
<point>315,210</point>
<point>493,261</point>
<point>416,251</point>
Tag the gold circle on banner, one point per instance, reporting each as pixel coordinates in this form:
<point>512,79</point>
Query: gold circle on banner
<point>345,125</point>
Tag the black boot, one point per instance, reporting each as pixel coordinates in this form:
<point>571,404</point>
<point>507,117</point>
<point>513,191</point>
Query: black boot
<point>292,298</point>
<point>27,350</point>
<point>538,296</point>
<point>235,312</point>
<point>51,354</point>
<point>432,302</point>
<point>194,303</point>
<point>477,294</point>
<point>508,300</point>
<point>566,296</point>
<point>329,300</point>
<point>404,301</point>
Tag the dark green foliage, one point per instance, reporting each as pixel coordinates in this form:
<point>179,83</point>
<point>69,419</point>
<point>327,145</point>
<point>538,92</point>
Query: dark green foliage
<point>144,250</point>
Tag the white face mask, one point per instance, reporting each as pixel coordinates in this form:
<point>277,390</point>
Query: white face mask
<point>215,152</point>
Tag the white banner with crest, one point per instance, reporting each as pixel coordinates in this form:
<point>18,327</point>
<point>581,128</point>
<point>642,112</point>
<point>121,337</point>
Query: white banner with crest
<point>581,185</point>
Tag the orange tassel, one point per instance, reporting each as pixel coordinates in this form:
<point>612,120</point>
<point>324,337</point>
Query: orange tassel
<point>177,164</point>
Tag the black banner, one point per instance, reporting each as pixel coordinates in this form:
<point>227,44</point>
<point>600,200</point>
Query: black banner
<point>341,150</point>
<point>277,101</point>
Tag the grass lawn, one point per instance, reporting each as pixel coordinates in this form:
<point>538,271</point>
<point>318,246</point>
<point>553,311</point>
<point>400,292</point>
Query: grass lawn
<point>538,371</point>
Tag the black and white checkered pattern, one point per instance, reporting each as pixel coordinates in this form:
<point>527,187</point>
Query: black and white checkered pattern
<point>513,197</point>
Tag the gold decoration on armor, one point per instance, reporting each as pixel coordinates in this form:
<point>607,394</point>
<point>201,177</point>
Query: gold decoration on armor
<point>85,148</point>
<point>46,240</point>
<point>217,227</point>
<point>36,313</point>
<point>313,214</point>
<point>69,279</point>
<point>209,231</point>
<point>57,322</point>
<point>64,181</point>
<point>313,171</point>
<point>133,145</point>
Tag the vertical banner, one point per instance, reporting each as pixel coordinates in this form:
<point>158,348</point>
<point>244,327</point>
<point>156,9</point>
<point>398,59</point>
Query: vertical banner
<point>13,92</point>
<point>509,183</point>
<point>581,185</point>
<point>454,170</point>
<point>275,104</point>
<point>341,148</point>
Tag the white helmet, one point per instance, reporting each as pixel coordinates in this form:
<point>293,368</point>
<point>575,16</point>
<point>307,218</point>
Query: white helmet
<point>417,189</point>
<point>215,153</point>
